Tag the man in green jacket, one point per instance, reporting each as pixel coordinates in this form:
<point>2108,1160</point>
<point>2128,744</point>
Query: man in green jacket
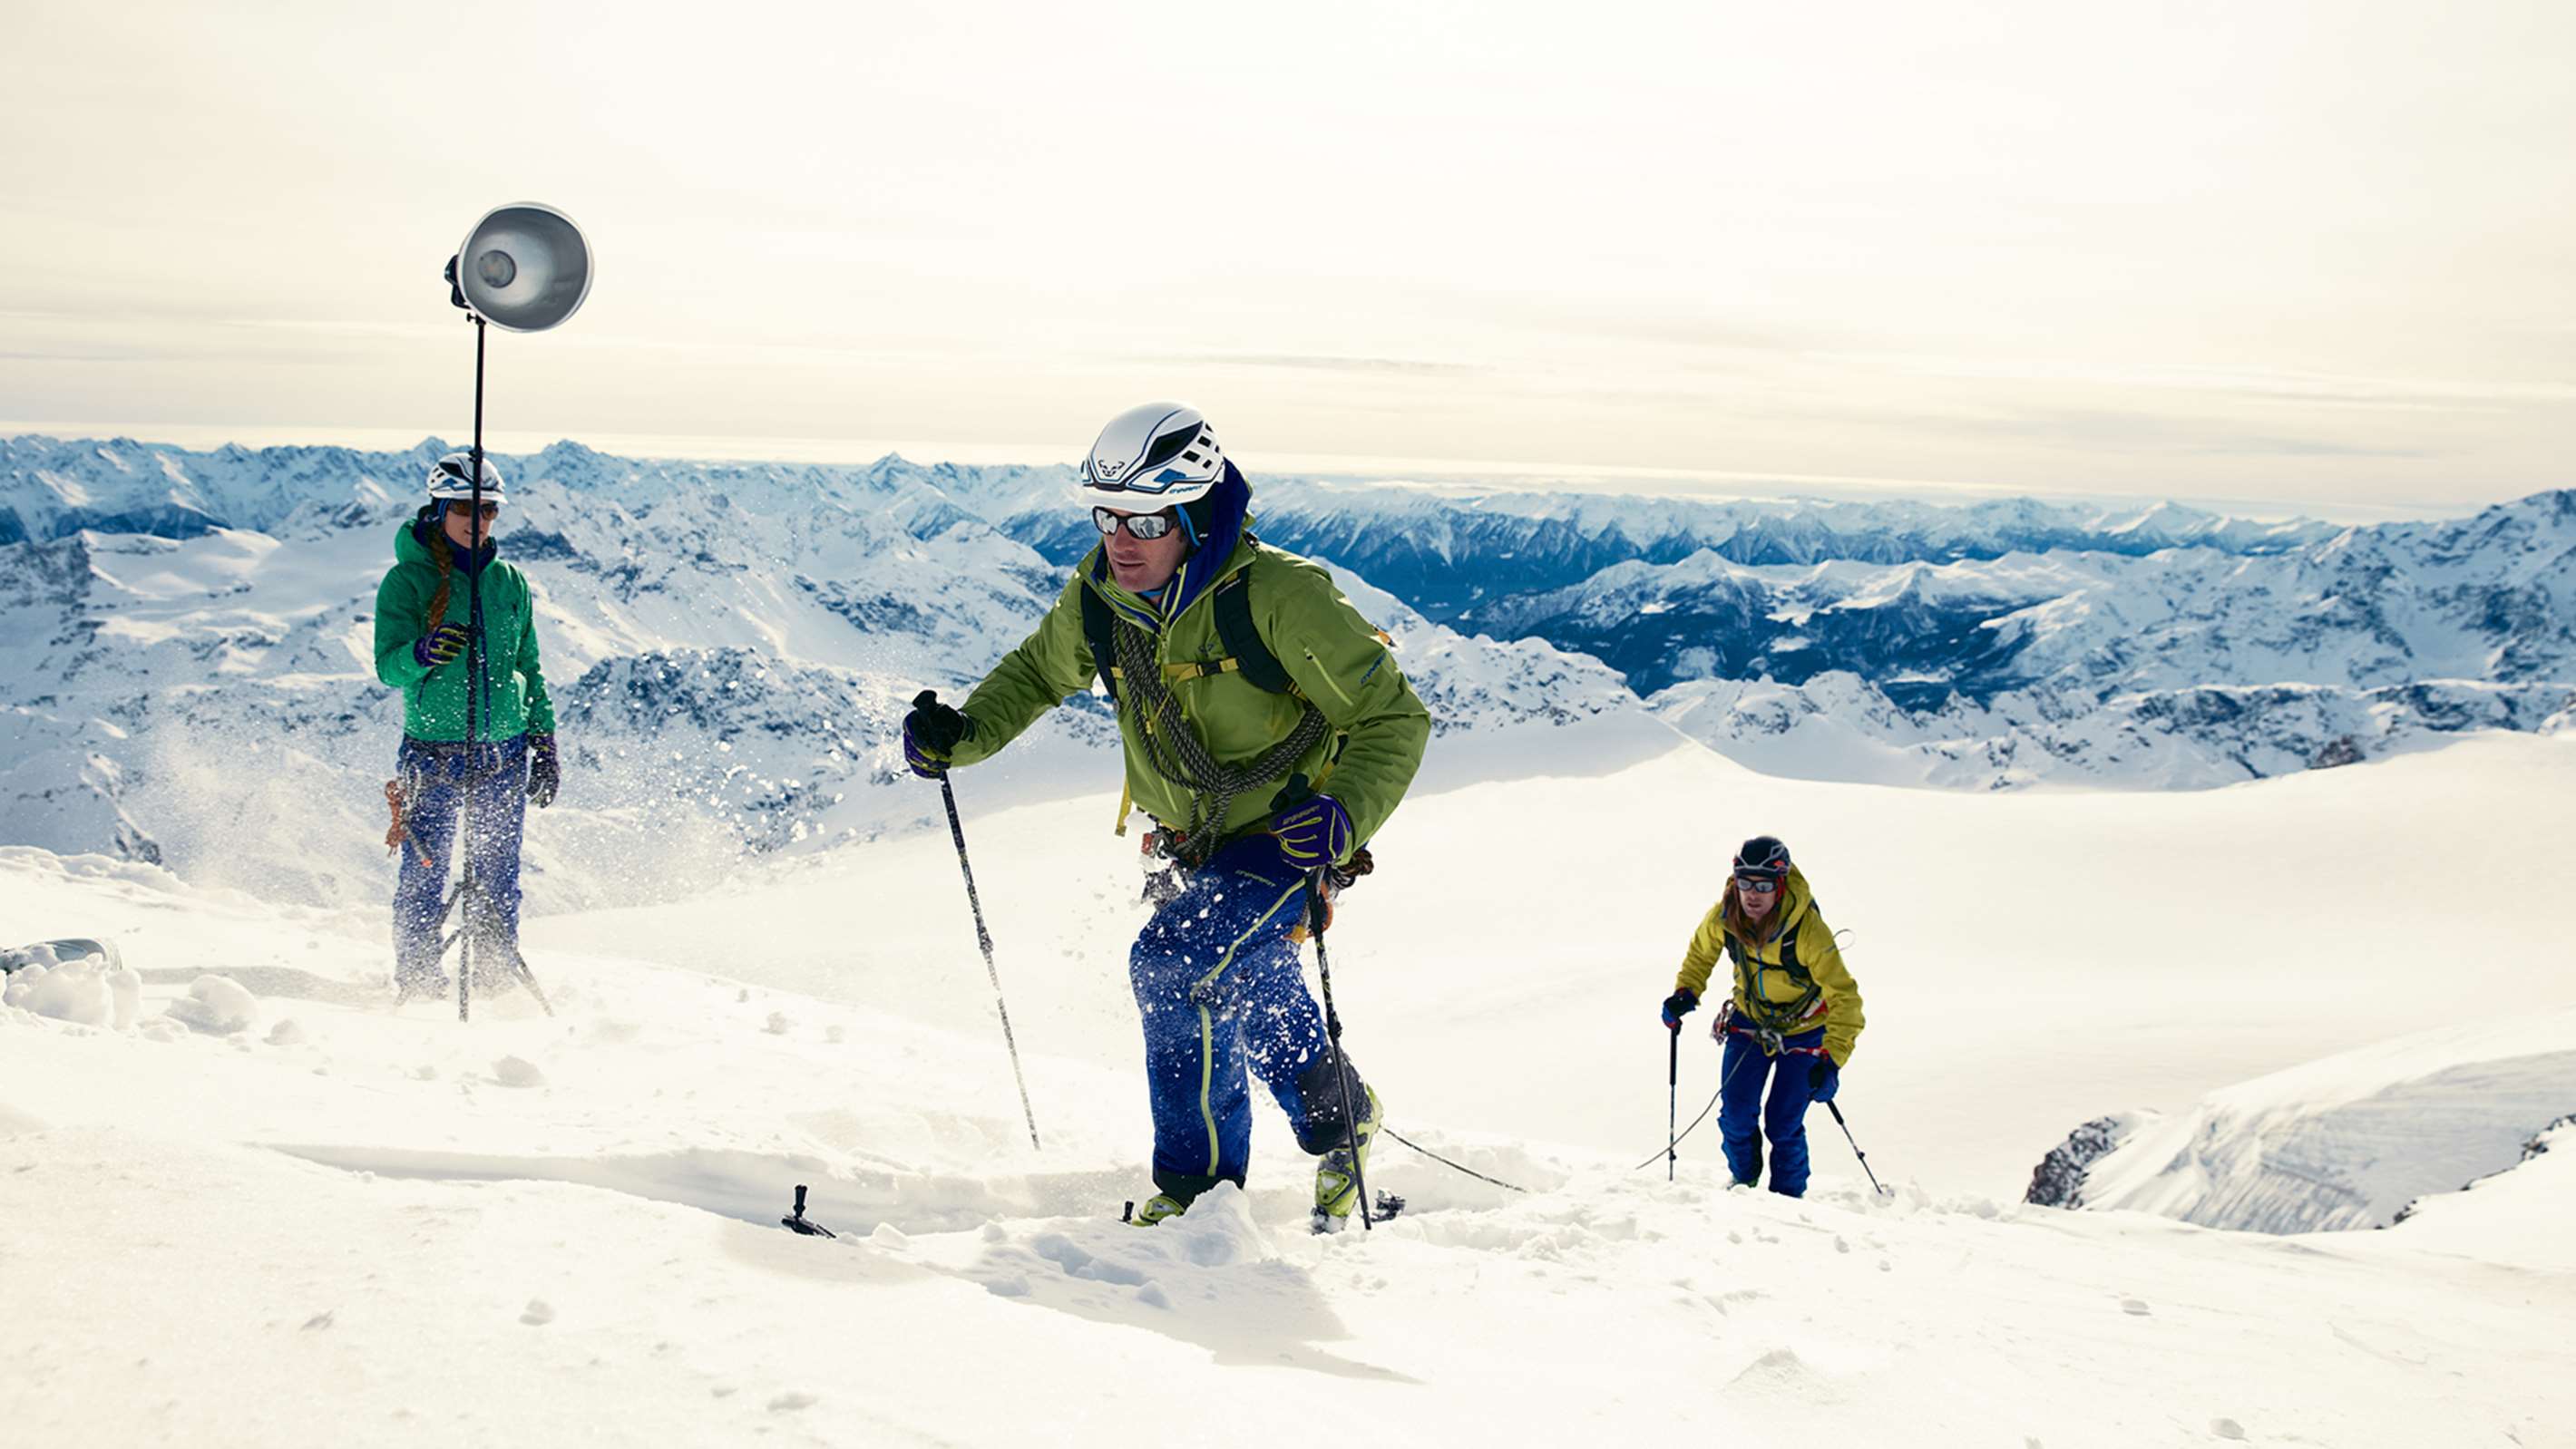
<point>425,630</point>
<point>1235,668</point>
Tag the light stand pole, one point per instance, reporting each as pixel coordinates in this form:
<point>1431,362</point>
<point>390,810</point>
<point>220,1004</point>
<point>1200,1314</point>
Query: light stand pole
<point>525,268</point>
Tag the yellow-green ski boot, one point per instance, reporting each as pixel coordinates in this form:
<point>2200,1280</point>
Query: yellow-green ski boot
<point>1337,1189</point>
<point>1158,1207</point>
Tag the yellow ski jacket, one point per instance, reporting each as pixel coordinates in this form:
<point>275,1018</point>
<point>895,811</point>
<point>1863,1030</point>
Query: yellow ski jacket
<point>1794,982</point>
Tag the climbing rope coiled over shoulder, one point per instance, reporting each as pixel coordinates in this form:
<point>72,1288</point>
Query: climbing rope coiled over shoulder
<point>1180,756</point>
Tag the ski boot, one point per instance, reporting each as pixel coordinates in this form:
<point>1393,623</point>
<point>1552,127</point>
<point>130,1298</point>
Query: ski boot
<point>1158,1207</point>
<point>1337,1189</point>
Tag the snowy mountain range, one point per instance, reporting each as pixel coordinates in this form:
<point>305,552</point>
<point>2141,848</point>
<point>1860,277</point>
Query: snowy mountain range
<point>1989,646</point>
<point>185,637</point>
<point>187,643</point>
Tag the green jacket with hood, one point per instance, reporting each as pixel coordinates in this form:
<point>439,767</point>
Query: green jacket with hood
<point>1336,660</point>
<point>514,698</point>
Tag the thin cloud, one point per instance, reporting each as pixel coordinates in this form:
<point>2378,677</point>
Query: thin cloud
<point>2258,384</point>
<point>1404,366</point>
<point>2150,433</point>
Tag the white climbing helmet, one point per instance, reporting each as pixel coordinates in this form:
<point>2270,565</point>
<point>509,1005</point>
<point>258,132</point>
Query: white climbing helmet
<point>453,477</point>
<point>1160,453</point>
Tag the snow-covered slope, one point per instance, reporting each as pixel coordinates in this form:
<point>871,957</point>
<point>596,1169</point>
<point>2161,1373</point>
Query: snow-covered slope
<point>2351,1141</point>
<point>239,1216</point>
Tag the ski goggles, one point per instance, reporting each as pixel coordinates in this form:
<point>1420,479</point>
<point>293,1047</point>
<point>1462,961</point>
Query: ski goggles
<point>1760,885</point>
<point>1145,526</point>
<point>464,507</point>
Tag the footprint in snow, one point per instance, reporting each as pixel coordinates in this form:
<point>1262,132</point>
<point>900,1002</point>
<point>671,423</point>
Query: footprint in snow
<point>2227,1428</point>
<point>539,1313</point>
<point>2135,1307</point>
<point>790,1402</point>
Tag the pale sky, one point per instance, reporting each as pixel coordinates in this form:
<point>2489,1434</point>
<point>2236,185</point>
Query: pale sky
<point>2310,253</point>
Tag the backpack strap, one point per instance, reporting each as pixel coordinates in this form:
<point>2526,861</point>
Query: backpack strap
<point>1098,630</point>
<point>1245,649</point>
<point>1251,653</point>
<point>1779,1016</point>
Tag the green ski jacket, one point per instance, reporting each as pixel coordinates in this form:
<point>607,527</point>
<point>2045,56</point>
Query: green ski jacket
<point>1335,659</point>
<point>514,698</point>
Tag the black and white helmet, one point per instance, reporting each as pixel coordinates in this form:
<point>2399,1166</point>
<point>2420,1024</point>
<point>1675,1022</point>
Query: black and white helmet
<point>1160,453</point>
<point>453,477</point>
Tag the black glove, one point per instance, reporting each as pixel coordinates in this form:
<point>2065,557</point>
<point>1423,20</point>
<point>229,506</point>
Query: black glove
<point>1823,1080</point>
<point>1678,1005</point>
<point>439,646</point>
<point>545,772</point>
<point>930,732</point>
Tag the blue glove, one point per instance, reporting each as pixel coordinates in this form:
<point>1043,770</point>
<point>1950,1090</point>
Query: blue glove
<point>1678,1005</point>
<point>545,772</point>
<point>1312,831</point>
<point>930,732</point>
<point>439,646</point>
<point>1823,1079</point>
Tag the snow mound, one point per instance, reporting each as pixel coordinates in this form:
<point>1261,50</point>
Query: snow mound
<point>217,1006</point>
<point>517,1072</point>
<point>2350,1141</point>
<point>90,991</point>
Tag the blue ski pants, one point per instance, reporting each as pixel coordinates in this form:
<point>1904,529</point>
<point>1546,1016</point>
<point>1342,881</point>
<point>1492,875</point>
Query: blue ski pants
<point>440,781</point>
<point>1219,987</point>
<point>1741,1074</point>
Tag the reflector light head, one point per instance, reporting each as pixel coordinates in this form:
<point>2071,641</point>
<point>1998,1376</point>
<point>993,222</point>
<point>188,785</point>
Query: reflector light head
<point>523,268</point>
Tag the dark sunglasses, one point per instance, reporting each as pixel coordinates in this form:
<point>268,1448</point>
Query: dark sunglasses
<point>1146,526</point>
<point>464,508</point>
<point>1760,885</point>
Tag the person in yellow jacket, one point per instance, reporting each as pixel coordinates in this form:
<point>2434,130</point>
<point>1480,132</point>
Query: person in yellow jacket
<point>1236,669</point>
<point>1793,1018</point>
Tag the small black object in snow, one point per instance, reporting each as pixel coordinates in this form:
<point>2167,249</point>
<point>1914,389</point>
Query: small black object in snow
<point>796,1222</point>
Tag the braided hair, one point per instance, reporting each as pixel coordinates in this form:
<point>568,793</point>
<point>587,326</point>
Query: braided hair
<point>446,552</point>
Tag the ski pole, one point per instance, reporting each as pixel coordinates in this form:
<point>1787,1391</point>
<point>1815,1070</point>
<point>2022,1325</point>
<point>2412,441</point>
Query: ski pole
<point>1832,1107</point>
<point>1333,1029</point>
<point>1673,1104</point>
<point>984,938</point>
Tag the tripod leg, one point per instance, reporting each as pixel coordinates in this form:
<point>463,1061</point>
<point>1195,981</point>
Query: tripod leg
<point>528,979</point>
